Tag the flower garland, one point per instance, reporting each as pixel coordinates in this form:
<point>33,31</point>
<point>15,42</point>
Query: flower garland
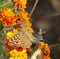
<point>18,52</point>
<point>9,18</point>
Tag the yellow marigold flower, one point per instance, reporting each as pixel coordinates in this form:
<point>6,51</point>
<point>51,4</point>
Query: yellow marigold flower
<point>11,58</point>
<point>14,58</point>
<point>15,31</point>
<point>20,4</point>
<point>31,30</point>
<point>14,54</point>
<point>10,34</point>
<point>7,17</point>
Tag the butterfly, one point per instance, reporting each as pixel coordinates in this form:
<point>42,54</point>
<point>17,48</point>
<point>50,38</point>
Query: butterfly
<point>23,38</point>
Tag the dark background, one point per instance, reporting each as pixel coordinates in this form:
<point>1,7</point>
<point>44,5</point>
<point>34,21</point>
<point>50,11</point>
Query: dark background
<point>47,16</point>
<point>44,17</point>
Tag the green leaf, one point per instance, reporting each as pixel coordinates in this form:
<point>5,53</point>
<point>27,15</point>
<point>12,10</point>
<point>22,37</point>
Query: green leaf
<point>4,4</point>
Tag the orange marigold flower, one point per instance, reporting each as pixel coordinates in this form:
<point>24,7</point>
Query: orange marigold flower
<point>45,50</point>
<point>45,57</point>
<point>23,15</point>
<point>14,54</point>
<point>20,4</point>
<point>43,46</point>
<point>7,17</point>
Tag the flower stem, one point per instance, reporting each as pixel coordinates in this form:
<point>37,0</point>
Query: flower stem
<point>58,44</point>
<point>35,4</point>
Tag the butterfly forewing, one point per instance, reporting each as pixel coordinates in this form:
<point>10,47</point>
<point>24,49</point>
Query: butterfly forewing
<point>23,38</point>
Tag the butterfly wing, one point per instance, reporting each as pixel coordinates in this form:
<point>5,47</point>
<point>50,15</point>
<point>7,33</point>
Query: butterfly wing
<point>23,38</point>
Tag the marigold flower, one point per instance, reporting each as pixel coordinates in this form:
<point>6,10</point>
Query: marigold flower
<point>15,31</point>
<point>45,57</point>
<point>7,17</point>
<point>23,15</point>
<point>45,50</point>
<point>20,4</point>
<point>10,34</point>
<point>43,46</point>
<point>14,54</point>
